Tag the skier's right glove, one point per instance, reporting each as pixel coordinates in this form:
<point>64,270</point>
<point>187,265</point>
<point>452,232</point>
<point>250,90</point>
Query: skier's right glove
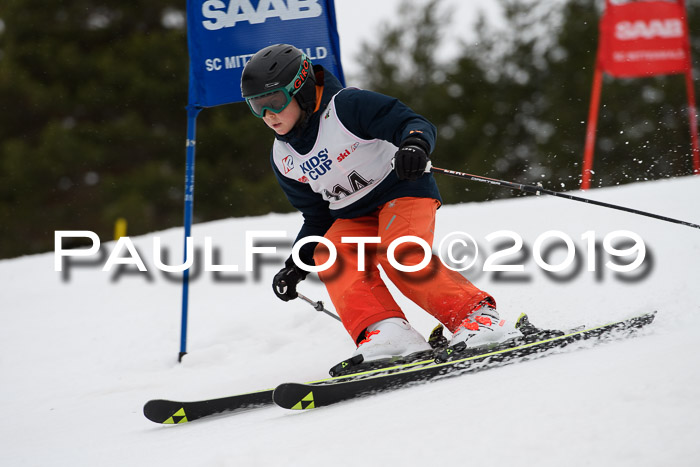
<point>285,282</point>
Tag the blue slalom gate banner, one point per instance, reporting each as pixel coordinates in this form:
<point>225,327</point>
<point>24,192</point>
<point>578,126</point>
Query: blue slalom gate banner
<point>223,35</point>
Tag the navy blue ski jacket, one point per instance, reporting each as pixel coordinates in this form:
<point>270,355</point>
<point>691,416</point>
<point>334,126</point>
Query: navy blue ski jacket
<point>369,115</point>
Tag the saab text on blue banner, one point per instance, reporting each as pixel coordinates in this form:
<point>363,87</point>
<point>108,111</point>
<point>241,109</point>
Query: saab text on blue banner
<point>224,34</point>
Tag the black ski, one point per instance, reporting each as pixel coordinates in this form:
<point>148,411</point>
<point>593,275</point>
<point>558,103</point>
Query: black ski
<point>178,412</point>
<point>174,412</point>
<point>297,396</point>
<point>169,412</point>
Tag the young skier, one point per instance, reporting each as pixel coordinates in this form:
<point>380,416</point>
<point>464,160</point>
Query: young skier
<point>333,155</point>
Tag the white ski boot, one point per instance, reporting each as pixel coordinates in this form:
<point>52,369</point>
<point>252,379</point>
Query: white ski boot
<point>389,338</point>
<point>483,328</point>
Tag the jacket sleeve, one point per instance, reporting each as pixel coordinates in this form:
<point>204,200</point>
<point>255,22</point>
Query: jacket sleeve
<point>371,115</point>
<point>317,216</point>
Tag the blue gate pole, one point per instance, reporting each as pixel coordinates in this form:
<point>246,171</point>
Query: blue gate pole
<point>192,112</point>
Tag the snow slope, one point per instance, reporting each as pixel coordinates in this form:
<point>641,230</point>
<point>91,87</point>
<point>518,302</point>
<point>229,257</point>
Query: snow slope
<point>80,353</point>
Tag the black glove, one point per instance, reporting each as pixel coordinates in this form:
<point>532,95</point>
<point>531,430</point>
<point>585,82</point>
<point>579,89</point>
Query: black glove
<point>412,158</point>
<point>285,282</point>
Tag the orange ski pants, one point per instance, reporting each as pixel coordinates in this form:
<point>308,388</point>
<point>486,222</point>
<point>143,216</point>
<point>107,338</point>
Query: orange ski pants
<point>361,298</point>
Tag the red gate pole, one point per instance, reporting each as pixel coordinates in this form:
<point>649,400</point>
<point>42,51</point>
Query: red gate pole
<point>693,119</point>
<point>591,128</point>
<point>692,109</point>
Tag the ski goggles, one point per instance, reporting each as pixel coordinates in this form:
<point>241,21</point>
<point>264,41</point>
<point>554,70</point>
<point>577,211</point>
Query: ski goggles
<point>278,100</point>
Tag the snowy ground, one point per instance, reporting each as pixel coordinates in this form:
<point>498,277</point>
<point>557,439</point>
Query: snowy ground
<point>80,353</point>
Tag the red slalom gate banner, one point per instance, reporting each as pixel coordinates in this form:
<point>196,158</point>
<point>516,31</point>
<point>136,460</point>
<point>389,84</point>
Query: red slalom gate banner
<point>643,39</point>
<point>639,39</point>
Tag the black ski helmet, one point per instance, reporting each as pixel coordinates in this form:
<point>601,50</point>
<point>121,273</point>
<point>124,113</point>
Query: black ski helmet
<point>279,67</point>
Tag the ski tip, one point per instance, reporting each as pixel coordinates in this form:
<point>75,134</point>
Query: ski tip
<point>294,396</point>
<point>164,412</point>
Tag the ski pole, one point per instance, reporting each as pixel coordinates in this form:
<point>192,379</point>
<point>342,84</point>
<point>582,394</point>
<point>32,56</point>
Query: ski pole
<point>318,306</point>
<point>539,190</point>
